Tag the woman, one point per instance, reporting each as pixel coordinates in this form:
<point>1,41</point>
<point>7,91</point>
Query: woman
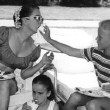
<point>17,50</point>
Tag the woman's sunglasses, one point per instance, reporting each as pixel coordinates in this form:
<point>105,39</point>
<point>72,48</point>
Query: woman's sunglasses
<point>37,17</point>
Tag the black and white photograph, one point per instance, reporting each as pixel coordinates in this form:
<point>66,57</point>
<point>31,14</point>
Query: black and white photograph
<point>54,55</point>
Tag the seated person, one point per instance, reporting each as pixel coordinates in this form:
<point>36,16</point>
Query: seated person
<point>18,51</point>
<point>43,95</point>
<point>100,56</point>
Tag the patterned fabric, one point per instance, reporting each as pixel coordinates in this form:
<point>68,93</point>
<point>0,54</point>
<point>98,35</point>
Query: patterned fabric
<point>101,63</point>
<point>7,56</point>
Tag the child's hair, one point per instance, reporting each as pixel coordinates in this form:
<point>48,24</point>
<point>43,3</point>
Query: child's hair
<point>105,24</point>
<point>24,11</point>
<point>46,81</point>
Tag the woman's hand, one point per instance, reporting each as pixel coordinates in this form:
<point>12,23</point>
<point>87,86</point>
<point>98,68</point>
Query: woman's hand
<point>47,59</point>
<point>46,33</point>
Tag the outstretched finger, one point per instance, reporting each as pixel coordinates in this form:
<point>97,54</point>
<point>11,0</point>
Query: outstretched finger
<point>41,33</point>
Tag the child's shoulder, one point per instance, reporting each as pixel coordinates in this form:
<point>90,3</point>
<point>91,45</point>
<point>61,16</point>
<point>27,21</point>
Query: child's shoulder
<point>56,107</point>
<point>53,105</point>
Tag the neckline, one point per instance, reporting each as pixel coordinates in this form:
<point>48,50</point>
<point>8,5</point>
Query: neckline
<point>12,50</point>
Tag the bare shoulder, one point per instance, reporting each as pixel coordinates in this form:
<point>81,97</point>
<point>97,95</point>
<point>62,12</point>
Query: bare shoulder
<point>56,107</point>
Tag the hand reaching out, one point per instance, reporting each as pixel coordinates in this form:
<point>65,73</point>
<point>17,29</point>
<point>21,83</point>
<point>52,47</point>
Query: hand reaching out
<point>46,33</point>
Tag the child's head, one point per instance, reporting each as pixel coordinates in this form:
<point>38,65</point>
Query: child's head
<point>43,89</point>
<point>103,38</point>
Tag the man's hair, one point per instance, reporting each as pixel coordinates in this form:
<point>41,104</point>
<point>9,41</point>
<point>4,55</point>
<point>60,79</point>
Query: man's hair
<point>105,24</point>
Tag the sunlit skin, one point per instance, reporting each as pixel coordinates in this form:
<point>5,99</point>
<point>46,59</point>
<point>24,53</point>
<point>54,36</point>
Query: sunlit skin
<point>103,40</point>
<point>40,94</point>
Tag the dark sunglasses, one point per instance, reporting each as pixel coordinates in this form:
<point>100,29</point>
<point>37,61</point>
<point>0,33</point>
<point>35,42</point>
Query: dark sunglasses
<point>38,18</point>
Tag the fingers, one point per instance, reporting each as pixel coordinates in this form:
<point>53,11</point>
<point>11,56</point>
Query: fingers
<point>51,54</point>
<point>41,33</point>
<point>46,27</point>
<point>48,58</point>
<point>51,57</point>
<point>46,54</point>
<point>46,30</point>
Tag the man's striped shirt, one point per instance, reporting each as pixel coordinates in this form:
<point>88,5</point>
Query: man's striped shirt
<point>101,63</point>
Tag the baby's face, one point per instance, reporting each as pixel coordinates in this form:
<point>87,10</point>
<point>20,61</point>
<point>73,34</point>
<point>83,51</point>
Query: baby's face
<point>40,93</point>
<point>103,39</point>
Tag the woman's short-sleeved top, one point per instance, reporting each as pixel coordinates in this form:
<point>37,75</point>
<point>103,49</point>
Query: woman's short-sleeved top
<point>8,58</point>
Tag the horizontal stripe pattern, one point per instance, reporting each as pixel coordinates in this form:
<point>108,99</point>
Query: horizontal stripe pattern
<point>101,63</point>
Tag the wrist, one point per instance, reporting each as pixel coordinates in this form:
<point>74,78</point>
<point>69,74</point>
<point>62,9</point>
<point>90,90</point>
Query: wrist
<point>41,67</point>
<point>49,40</point>
<point>41,63</point>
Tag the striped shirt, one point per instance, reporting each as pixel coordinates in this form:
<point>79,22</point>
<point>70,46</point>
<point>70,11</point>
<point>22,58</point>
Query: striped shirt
<point>101,63</point>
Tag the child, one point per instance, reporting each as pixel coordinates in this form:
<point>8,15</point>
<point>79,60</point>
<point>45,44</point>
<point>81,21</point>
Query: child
<point>43,95</point>
<point>100,56</point>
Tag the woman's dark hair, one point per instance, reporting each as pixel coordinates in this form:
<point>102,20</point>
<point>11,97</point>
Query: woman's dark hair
<point>46,81</point>
<point>24,11</point>
<point>27,10</point>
